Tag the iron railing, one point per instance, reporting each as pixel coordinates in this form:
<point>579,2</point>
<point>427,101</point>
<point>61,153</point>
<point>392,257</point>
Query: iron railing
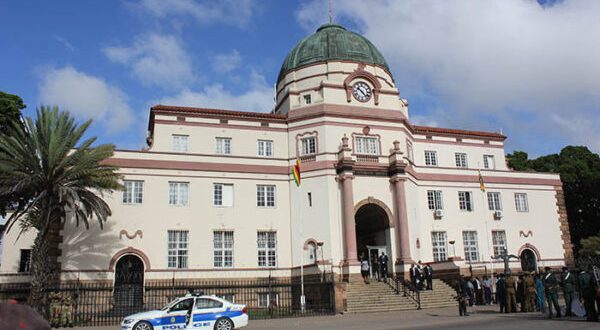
<point>407,288</point>
<point>101,304</point>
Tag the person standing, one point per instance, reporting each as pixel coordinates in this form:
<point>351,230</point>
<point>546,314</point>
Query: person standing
<point>539,292</point>
<point>383,266</point>
<point>470,291</point>
<point>478,291</point>
<point>364,269</point>
<point>567,281</point>
<point>461,296</point>
<point>587,291</point>
<point>529,292</point>
<point>429,277</point>
<point>413,278</point>
<point>511,294</point>
<point>551,290</point>
<point>487,290</point>
<point>426,276</point>
<point>375,268</point>
<point>521,292</point>
<point>501,293</point>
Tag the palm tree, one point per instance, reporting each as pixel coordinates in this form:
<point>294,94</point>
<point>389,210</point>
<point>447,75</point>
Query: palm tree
<point>49,176</point>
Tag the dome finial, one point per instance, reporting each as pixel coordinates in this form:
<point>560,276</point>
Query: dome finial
<point>330,13</point>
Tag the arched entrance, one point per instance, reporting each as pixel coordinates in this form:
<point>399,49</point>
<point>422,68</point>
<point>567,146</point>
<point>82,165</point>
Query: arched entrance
<point>129,282</point>
<point>373,232</point>
<point>528,260</point>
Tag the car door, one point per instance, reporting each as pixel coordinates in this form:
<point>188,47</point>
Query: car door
<point>178,315</point>
<point>206,312</point>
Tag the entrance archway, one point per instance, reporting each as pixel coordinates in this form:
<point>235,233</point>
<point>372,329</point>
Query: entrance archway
<point>528,261</point>
<point>129,282</point>
<point>373,232</point>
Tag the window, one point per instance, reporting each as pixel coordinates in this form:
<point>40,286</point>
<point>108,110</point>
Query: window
<point>461,159</point>
<point>183,305</point>
<point>265,196</point>
<point>228,296</point>
<point>179,143</point>
<point>222,194</point>
<point>494,201</point>
<point>267,248</point>
<point>178,193</point>
<point>431,158</point>
<point>499,242</point>
<point>223,249</point>
<point>465,200</point>
<point>266,300</point>
<point>521,202</point>
<point>307,99</point>
<point>470,245</point>
<point>434,199</point>
<point>177,249</point>
<point>206,303</point>
<point>439,244</point>
<point>25,261</point>
<point>312,253</point>
<point>265,148</point>
<point>308,146</point>
<point>488,162</point>
<point>223,146</point>
<point>367,145</point>
<point>134,192</point>
<point>409,151</point>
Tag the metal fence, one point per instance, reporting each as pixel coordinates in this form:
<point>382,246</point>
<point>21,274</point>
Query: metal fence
<point>97,304</point>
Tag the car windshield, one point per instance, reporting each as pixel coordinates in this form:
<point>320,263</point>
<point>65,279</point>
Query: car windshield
<point>171,303</point>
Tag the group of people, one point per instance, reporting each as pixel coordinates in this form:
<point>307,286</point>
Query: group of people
<point>379,266</point>
<point>529,292</point>
<point>421,276</point>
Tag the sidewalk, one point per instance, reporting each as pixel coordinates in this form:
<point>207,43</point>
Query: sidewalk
<point>481,317</point>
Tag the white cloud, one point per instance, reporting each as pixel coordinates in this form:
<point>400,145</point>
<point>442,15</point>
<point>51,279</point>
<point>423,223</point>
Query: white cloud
<point>490,64</point>
<point>227,62</point>
<point>258,98</point>
<point>85,97</point>
<point>233,12</point>
<point>64,42</point>
<point>155,59</point>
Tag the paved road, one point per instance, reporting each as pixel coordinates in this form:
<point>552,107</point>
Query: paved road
<point>446,319</point>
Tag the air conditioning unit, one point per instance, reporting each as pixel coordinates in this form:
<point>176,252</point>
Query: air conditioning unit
<point>438,213</point>
<point>498,214</point>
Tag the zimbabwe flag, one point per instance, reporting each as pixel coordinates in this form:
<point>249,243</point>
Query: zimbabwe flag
<point>296,172</point>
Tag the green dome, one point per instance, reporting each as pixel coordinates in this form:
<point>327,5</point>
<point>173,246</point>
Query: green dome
<point>332,42</point>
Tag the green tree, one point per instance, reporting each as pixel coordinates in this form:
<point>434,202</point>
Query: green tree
<point>51,176</point>
<point>579,170</point>
<point>590,247</point>
<point>10,110</point>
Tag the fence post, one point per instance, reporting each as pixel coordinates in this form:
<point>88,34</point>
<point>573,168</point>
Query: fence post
<point>269,296</point>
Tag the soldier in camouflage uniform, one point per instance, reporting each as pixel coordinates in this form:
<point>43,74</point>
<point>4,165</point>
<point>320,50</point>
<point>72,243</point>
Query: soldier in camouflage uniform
<point>551,290</point>
<point>567,281</point>
<point>511,294</point>
<point>529,301</point>
<point>587,287</point>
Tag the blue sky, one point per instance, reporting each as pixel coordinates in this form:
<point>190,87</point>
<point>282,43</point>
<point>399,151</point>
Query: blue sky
<point>518,66</point>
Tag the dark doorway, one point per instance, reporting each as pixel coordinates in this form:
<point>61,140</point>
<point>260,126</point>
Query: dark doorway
<point>528,261</point>
<point>129,282</point>
<point>372,229</point>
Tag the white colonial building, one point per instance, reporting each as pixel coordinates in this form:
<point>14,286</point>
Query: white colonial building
<point>213,195</point>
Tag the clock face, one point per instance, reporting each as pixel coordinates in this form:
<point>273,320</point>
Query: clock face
<point>361,91</point>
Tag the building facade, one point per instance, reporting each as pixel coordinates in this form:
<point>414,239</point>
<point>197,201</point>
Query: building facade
<point>213,196</point>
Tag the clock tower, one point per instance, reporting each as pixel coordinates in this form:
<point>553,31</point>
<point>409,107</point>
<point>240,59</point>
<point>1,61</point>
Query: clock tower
<point>336,68</point>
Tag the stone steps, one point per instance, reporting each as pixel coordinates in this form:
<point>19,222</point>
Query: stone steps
<point>379,297</point>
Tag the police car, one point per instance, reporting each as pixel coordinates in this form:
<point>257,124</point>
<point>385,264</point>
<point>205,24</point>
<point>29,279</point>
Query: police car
<point>191,312</point>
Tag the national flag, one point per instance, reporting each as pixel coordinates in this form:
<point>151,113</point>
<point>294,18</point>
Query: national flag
<point>481,184</point>
<point>296,172</point>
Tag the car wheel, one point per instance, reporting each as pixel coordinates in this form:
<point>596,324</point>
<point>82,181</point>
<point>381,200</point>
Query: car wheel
<point>143,325</point>
<point>224,324</point>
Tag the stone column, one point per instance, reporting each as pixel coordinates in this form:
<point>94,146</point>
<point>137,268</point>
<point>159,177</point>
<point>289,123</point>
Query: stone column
<point>402,237</point>
<point>348,218</point>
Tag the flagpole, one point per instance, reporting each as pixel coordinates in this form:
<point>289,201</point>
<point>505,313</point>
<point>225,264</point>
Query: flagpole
<point>485,221</point>
<point>296,175</point>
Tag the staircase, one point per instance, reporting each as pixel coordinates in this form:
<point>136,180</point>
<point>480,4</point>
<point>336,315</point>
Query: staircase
<point>375,297</point>
<point>442,295</point>
<point>380,297</point>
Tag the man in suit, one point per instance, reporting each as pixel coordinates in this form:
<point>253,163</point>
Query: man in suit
<point>383,266</point>
<point>567,281</point>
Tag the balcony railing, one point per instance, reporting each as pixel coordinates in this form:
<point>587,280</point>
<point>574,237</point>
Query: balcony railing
<point>367,159</point>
